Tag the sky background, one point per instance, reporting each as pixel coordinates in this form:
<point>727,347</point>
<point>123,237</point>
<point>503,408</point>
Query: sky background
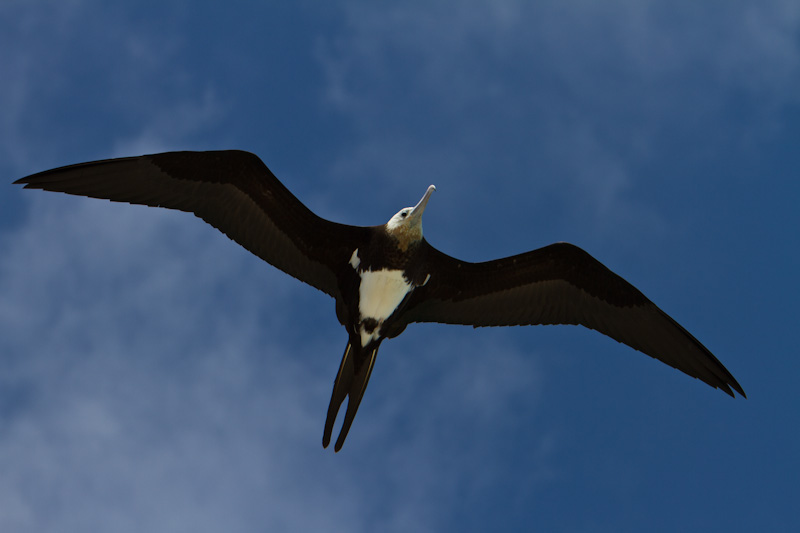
<point>156,377</point>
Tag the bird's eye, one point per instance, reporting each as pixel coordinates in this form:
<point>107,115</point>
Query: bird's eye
<point>404,214</point>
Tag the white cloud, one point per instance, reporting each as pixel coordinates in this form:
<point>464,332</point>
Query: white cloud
<point>139,389</point>
<point>139,395</point>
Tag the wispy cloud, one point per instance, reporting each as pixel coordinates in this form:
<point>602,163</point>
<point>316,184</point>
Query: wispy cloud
<point>137,387</point>
<point>173,127</point>
<point>155,377</point>
<point>580,117</point>
<point>126,76</point>
<point>139,377</point>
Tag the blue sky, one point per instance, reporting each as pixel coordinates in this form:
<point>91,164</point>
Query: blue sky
<point>156,377</point>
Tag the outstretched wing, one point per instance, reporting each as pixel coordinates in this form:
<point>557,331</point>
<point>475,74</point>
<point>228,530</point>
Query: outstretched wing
<point>560,284</point>
<point>232,190</point>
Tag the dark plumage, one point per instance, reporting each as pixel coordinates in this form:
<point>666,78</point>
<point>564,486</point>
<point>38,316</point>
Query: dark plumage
<point>386,277</point>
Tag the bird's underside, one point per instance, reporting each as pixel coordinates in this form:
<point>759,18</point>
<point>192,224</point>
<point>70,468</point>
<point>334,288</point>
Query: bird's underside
<point>386,277</point>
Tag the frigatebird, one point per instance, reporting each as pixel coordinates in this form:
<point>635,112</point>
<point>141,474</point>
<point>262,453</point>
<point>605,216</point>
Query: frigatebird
<point>385,277</point>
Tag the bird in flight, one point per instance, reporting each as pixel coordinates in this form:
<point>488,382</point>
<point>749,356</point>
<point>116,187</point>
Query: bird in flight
<point>385,277</point>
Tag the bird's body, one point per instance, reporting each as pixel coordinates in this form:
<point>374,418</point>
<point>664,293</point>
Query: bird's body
<point>386,277</point>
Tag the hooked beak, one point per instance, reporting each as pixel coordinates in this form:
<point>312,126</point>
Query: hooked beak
<point>416,213</point>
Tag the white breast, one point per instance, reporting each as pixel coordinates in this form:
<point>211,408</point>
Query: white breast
<point>380,293</point>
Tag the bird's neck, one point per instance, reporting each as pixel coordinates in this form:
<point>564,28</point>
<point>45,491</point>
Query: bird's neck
<point>405,237</point>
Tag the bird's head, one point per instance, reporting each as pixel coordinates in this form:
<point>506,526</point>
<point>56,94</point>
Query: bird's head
<point>406,225</point>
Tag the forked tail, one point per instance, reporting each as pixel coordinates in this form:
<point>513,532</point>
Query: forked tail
<point>352,379</point>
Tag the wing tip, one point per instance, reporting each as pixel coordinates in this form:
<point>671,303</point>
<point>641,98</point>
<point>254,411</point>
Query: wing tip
<point>29,182</point>
<point>721,378</point>
<point>733,384</point>
<point>724,382</point>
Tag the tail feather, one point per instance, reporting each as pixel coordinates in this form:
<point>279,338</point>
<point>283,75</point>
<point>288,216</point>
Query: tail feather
<point>351,380</point>
<point>341,387</point>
